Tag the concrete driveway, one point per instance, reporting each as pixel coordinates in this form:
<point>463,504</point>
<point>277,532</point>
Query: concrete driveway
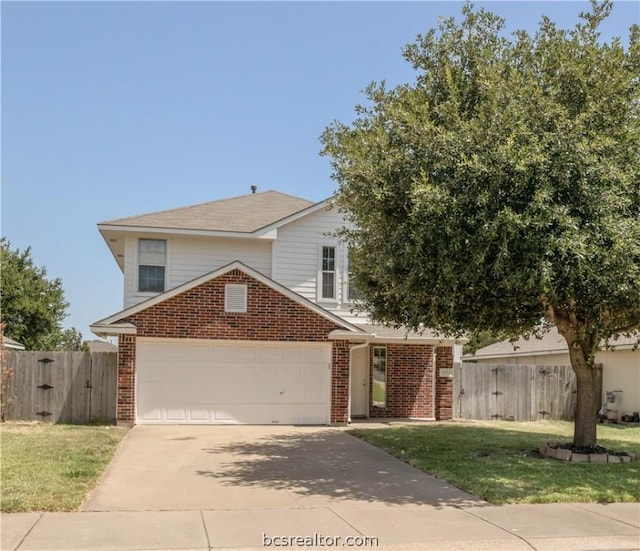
<point>221,488</point>
<point>250,468</point>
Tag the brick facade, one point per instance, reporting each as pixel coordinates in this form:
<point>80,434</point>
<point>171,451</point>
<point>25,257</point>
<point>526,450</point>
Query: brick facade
<point>125,410</point>
<point>198,313</point>
<point>340,383</point>
<point>444,385</point>
<point>409,382</point>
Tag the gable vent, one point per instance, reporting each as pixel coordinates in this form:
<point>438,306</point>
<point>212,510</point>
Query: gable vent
<point>235,298</point>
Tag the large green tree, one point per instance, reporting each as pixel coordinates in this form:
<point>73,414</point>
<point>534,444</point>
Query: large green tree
<point>500,191</point>
<point>32,306</point>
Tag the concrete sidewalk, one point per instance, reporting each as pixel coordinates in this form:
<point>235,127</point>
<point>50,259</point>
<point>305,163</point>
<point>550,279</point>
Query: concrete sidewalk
<point>566,527</point>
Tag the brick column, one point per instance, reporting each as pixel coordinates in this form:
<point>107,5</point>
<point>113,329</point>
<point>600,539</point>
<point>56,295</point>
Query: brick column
<point>444,385</point>
<point>126,378</point>
<point>340,383</point>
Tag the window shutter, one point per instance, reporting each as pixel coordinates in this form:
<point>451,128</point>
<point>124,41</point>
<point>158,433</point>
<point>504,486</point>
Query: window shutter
<point>235,298</point>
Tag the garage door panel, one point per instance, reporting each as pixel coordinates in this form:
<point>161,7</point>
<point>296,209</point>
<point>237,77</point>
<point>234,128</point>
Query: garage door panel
<point>221,353</point>
<point>244,382</point>
<point>198,415</point>
<point>150,415</point>
<point>292,414</point>
<point>246,354</point>
<point>266,373</point>
<point>314,355</point>
<point>176,415</point>
<point>270,354</point>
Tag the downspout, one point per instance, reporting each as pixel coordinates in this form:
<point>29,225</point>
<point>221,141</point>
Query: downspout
<point>434,375</point>
<point>351,349</point>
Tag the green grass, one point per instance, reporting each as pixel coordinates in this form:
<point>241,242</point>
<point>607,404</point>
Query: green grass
<point>52,467</point>
<point>499,461</point>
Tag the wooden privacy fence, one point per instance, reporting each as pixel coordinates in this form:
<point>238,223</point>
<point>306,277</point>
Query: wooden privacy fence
<point>514,392</point>
<point>60,387</point>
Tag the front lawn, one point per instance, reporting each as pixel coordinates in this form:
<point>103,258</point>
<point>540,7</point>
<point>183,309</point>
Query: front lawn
<point>52,467</point>
<point>499,461</point>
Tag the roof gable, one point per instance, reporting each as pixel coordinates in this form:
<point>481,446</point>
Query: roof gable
<point>114,325</point>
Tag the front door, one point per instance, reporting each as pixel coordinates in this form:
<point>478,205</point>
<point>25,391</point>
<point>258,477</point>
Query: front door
<point>359,382</point>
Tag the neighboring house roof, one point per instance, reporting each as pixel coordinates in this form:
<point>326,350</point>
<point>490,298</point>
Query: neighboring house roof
<point>243,214</point>
<point>101,346</point>
<point>550,343</point>
<point>113,324</point>
<point>10,343</point>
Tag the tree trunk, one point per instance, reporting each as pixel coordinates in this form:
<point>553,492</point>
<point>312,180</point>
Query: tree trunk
<point>582,353</point>
<point>589,393</point>
<point>589,381</point>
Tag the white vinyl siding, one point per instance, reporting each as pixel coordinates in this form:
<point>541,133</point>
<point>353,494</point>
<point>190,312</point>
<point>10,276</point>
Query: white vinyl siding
<point>297,255</point>
<point>192,257</point>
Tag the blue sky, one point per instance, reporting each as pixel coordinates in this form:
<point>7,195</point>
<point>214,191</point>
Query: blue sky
<point>115,108</point>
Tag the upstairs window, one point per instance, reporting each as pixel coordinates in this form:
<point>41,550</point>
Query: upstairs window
<point>152,261</point>
<point>328,273</point>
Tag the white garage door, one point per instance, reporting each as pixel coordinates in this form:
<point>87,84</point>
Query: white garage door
<point>195,381</point>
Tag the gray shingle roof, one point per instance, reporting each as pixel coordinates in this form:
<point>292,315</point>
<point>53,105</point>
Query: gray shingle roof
<point>244,214</point>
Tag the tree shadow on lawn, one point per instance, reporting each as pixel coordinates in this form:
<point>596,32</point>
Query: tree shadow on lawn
<point>331,466</point>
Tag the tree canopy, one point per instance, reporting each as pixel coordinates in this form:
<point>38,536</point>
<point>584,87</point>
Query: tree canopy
<point>33,307</point>
<point>502,187</point>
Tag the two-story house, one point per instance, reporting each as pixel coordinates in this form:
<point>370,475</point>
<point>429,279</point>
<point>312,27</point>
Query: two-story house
<point>240,311</point>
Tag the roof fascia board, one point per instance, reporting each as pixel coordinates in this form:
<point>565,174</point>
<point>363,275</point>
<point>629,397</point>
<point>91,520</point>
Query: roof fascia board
<point>296,215</point>
<point>261,233</point>
<point>132,310</point>
<point>101,329</point>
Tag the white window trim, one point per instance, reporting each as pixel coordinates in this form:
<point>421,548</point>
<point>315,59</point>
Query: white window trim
<point>335,299</point>
<point>228,309</point>
<point>167,263</point>
<point>386,375</point>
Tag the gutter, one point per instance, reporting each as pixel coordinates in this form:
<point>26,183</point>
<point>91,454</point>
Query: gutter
<point>341,334</point>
